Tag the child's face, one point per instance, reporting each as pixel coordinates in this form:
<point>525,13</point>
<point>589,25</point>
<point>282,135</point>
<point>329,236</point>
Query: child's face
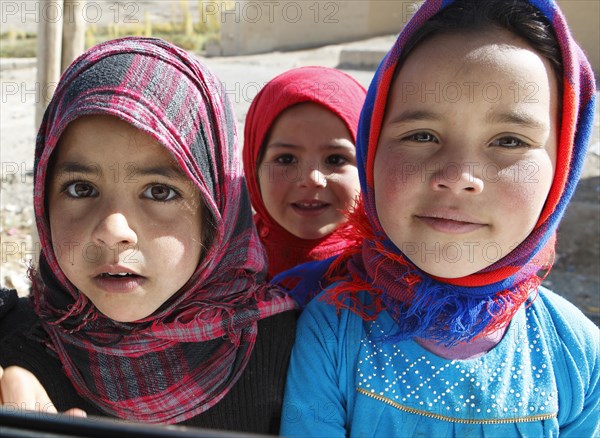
<point>467,151</point>
<point>308,175</point>
<point>119,204</point>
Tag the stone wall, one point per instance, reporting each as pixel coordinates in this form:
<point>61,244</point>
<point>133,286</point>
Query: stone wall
<point>583,17</point>
<point>262,26</point>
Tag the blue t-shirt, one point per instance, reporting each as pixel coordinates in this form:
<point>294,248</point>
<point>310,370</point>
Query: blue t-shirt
<point>542,379</point>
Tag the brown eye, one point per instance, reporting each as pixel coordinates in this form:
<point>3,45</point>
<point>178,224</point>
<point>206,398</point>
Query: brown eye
<point>80,190</point>
<point>285,159</point>
<point>336,160</point>
<point>510,143</point>
<point>422,137</point>
<point>159,192</point>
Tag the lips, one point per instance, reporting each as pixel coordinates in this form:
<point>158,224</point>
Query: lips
<point>451,222</point>
<point>310,207</point>
<point>115,276</point>
<point>118,280</point>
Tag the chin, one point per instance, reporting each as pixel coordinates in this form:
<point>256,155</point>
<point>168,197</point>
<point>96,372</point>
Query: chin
<point>312,234</point>
<point>123,317</point>
<point>449,272</point>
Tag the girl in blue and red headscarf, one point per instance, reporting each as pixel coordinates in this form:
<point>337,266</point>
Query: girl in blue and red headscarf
<point>300,164</point>
<point>470,145</point>
<point>150,293</point>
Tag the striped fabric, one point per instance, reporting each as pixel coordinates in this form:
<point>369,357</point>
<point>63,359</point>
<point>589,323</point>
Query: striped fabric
<point>483,301</point>
<point>333,89</point>
<point>184,358</point>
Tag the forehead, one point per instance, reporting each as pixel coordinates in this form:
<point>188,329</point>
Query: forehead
<point>308,120</point>
<point>460,57</point>
<point>304,111</point>
<point>104,138</point>
<point>494,69</point>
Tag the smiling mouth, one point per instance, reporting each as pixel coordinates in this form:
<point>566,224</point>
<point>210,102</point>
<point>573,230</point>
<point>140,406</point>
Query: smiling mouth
<point>310,205</point>
<point>310,209</point>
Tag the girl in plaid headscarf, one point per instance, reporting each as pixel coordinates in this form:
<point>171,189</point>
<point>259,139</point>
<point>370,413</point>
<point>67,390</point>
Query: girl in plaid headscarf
<point>150,289</point>
<point>470,145</point>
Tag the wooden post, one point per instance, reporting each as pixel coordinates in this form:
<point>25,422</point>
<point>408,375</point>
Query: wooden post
<point>73,37</point>
<point>49,43</point>
<point>49,48</point>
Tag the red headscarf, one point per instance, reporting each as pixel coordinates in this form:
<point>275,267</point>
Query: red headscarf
<point>338,92</point>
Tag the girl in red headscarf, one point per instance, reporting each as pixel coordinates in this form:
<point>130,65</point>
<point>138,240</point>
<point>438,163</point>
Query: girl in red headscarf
<point>300,163</point>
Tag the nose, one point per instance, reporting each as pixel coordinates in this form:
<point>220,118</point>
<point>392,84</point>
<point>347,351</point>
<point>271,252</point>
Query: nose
<point>458,179</point>
<point>313,177</point>
<point>113,229</point>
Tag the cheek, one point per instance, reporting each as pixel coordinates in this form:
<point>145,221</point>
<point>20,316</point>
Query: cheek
<point>525,188</point>
<point>71,250</point>
<point>347,185</point>
<point>267,177</point>
<point>67,233</point>
<point>274,182</point>
<point>174,235</point>
<point>178,253</point>
<point>394,182</point>
<point>177,250</point>
<point>272,175</point>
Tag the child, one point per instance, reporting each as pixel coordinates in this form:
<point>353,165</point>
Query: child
<point>437,324</point>
<point>300,163</point>
<point>150,290</point>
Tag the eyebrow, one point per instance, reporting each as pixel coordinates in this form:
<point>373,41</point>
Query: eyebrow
<point>415,116</point>
<point>295,146</point>
<point>513,118</point>
<point>516,118</point>
<point>282,145</point>
<point>75,167</point>
<point>170,172</point>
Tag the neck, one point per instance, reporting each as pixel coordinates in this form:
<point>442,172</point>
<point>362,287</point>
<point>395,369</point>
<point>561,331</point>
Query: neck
<point>464,350</point>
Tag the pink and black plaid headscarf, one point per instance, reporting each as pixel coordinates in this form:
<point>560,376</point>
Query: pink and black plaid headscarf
<point>184,358</point>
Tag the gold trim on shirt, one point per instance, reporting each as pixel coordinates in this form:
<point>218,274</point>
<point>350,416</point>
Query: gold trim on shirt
<point>410,410</point>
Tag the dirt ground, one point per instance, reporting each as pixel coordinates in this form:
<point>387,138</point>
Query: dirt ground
<point>576,274</point>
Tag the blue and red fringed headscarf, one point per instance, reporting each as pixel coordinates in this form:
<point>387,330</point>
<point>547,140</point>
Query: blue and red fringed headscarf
<point>459,309</point>
<point>186,356</point>
<point>336,91</point>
